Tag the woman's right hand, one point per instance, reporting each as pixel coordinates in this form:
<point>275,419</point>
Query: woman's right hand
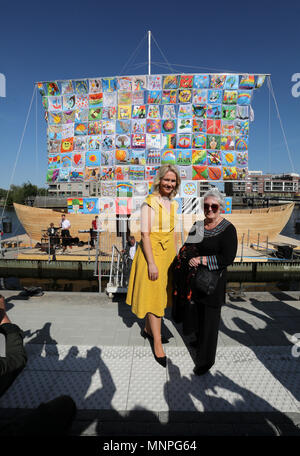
<point>194,262</point>
<point>152,271</point>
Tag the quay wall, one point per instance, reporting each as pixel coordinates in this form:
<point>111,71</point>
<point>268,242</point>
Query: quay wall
<point>256,271</point>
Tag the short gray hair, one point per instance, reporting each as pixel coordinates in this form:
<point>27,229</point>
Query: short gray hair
<point>215,193</point>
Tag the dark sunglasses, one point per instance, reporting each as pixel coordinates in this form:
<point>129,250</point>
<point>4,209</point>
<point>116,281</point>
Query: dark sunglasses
<point>213,207</point>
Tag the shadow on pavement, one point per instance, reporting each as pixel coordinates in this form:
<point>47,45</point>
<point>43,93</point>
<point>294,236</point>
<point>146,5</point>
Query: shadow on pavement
<point>277,324</point>
<point>77,373</point>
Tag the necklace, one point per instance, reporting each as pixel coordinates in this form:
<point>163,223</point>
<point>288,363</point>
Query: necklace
<point>212,225</point>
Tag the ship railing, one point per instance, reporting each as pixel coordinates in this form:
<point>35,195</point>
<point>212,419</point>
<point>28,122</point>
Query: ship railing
<point>7,245</point>
<point>111,242</point>
<point>267,250</point>
<point>99,271</point>
<point>116,229</point>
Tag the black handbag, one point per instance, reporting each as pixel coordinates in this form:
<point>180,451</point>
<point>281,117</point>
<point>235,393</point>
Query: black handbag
<point>205,281</point>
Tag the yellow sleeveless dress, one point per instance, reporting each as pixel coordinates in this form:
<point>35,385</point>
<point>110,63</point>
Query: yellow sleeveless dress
<point>145,295</point>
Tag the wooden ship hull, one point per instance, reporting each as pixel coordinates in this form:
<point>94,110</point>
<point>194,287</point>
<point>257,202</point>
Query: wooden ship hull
<point>251,224</point>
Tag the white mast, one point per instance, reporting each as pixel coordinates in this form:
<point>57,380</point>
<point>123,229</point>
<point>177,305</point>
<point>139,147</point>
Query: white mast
<point>149,52</point>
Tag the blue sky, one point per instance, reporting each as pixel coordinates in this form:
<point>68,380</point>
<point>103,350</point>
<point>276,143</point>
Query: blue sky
<point>46,41</point>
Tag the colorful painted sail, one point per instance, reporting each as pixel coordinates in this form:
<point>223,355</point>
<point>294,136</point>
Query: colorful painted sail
<point>120,129</point>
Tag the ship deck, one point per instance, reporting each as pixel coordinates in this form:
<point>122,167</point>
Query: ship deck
<point>22,248</point>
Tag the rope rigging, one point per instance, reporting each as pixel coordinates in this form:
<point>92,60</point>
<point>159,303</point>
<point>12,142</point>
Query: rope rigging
<point>133,54</point>
<point>19,150</point>
<point>165,65</point>
<point>270,86</point>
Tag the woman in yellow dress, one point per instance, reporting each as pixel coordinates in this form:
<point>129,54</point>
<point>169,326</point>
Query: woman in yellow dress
<point>149,288</point>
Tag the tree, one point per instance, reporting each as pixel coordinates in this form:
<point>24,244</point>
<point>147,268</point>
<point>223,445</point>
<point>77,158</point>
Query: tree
<point>19,194</point>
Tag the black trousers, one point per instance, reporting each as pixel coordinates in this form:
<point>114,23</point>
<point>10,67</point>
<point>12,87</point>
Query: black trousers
<point>207,334</point>
<point>127,268</point>
<point>93,237</point>
<point>66,237</point>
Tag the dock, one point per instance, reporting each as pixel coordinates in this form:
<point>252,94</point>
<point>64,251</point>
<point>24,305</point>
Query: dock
<point>23,248</point>
<point>32,266</point>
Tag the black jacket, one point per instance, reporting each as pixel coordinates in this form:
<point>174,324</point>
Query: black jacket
<point>15,360</point>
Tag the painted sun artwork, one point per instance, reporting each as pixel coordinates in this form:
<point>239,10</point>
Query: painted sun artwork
<point>112,129</point>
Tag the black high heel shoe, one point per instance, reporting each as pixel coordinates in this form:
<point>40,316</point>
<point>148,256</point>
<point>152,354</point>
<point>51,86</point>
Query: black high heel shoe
<point>162,360</point>
<point>148,336</point>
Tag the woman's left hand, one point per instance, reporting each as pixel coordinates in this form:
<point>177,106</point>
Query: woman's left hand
<point>194,262</point>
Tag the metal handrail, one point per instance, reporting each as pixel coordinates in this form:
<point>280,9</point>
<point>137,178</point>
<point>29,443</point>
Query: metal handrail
<point>115,269</point>
<point>96,255</point>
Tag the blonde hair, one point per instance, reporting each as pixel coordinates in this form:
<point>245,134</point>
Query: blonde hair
<point>161,173</point>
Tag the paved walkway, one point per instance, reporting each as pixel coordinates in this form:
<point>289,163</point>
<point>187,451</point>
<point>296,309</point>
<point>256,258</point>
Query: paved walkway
<point>89,347</point>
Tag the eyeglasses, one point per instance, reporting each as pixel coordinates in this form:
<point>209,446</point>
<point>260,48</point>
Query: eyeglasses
<point>213,207</point>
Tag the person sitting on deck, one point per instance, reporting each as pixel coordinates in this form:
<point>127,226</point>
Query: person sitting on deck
<point>53,236</point>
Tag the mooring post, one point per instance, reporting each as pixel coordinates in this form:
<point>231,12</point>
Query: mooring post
<point>49,255</point>
<point>242,251</point>
<point>99,275</point>
<point>99,262</point>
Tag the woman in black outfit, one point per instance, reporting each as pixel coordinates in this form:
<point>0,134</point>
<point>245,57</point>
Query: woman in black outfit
<point>212,243</point>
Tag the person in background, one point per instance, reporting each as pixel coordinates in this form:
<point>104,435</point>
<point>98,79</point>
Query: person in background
<point>129,253</point>
<point>53,237</point>
<point>131,247</point>
<point>52,231</point>
<point>50,418</point>
<point>96,225</point>
<point>65,232</point>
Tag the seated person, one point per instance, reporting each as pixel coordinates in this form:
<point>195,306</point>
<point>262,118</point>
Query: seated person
<point>53,234</point>
<point>15,360</point>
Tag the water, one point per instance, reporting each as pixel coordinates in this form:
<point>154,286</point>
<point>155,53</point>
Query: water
<point>17,228</point>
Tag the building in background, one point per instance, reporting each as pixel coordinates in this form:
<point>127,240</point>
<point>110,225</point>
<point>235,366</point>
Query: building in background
<point>204,187</point>
<point>83,189</point>
<point>258,184</point>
